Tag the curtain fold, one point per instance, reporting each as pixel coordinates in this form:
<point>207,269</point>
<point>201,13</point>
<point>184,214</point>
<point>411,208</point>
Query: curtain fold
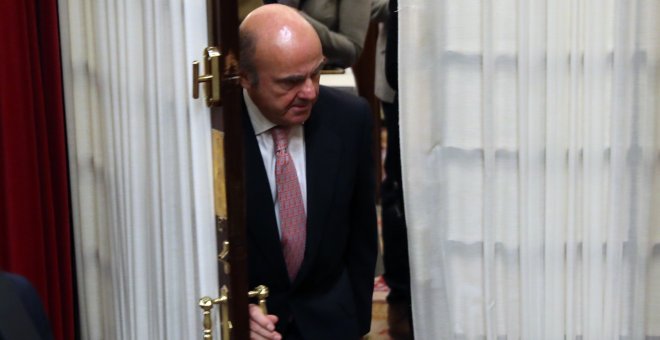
<point>35,236</point>
<point>531,159</point>
<point>140,165</point>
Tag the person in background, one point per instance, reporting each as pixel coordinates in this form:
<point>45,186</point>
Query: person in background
<point>340,24</point>
<point>22,316</point>
<point>394,230</point>
<point>310,185</point>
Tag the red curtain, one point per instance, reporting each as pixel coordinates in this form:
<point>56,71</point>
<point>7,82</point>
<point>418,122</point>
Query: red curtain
<point>35,229</point>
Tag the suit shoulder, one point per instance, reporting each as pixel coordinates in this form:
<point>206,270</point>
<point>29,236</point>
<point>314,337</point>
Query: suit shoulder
<point>19,283</point>
<point>343,104</point>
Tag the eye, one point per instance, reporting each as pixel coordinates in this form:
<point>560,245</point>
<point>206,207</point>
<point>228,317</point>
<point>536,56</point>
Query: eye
<point>288,84</point>
<point>291,82</point>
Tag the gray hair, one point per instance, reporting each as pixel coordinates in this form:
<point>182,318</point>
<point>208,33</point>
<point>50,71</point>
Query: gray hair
<point>247,51</point>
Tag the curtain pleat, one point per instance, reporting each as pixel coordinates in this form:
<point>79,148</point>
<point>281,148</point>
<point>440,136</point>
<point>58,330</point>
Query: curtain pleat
<point>488,127</point>
<point>141,154</point>
<point>531,160</point>
<point>35,230</point>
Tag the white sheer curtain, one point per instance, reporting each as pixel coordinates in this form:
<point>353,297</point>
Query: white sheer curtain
<point>139,152</point>
<point>531,161</point>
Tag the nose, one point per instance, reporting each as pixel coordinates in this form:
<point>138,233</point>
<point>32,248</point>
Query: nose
<point>308,89</point>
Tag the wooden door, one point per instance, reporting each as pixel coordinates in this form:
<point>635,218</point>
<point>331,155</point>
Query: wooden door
<point>223,95</point>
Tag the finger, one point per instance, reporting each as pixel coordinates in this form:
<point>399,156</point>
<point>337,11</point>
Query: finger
<point>271,336</point>
<point>256,336</point>
<point>272,318</point>
<point>259,330</point>
<point>258,317</point>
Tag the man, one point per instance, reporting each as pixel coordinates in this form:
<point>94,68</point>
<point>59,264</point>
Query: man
<point>311,221</point>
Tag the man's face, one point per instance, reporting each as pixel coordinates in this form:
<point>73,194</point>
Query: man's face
<point>288,82</point>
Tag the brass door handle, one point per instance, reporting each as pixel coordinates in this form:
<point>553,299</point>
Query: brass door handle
<point>261,293</point>
<point>211,79</point>
<point>206,303</point>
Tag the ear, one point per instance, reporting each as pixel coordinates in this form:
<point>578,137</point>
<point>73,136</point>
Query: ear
<point>245,80</point>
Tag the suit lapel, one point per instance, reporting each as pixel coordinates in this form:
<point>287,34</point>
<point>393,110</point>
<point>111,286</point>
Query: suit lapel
<point>322,153</point>
<point>262,225</point>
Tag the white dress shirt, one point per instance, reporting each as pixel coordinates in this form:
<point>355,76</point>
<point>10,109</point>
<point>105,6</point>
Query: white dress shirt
<point>296,149</point>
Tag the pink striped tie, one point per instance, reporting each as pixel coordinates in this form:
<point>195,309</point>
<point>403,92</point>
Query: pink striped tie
<point>292,210</point>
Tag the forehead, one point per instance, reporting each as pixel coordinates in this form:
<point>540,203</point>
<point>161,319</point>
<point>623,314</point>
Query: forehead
<point>288,51</point>
<point>290,67</point>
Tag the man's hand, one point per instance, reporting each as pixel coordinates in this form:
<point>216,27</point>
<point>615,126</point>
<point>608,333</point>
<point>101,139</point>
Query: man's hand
<point>262,326</point>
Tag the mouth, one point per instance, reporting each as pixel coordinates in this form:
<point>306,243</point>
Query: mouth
<point>301,106</point>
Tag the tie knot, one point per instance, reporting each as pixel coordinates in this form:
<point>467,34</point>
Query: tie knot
<point>280,138</point>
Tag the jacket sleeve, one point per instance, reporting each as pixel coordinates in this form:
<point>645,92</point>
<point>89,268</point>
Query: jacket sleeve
<point>363,240</point>
<point>380,10</point>
<point>343,45</point>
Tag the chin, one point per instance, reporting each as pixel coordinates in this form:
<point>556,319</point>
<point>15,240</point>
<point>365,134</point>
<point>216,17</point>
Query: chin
<point>299,117</point>
<point>299,120</point>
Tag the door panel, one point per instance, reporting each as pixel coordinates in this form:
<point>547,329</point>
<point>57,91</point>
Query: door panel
<point>228,171</point>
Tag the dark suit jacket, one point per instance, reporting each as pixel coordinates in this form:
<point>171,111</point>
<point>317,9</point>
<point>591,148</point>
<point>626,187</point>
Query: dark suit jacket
<point>22,315</point>
<point>331,296</point>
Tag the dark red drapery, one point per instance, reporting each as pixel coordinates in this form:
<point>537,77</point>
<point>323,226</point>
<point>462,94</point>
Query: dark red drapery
<point>35,230</point>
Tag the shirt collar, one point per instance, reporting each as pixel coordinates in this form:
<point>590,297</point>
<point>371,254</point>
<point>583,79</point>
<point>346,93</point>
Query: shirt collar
<point>260,123</point>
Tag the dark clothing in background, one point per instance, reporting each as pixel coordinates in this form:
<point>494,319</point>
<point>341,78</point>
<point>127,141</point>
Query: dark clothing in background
<point>395,232</point>
<point>391,54</point>
<point>22,315</point>
<point>394,228</point>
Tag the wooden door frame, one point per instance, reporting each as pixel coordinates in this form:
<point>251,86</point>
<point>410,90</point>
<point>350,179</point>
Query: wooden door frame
<point>222,16</point>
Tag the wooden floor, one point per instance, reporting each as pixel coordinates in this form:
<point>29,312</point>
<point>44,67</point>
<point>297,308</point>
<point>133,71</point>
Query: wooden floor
<point>379,312</point>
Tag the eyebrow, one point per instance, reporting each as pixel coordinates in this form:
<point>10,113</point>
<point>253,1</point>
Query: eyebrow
<point>299,77</point>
